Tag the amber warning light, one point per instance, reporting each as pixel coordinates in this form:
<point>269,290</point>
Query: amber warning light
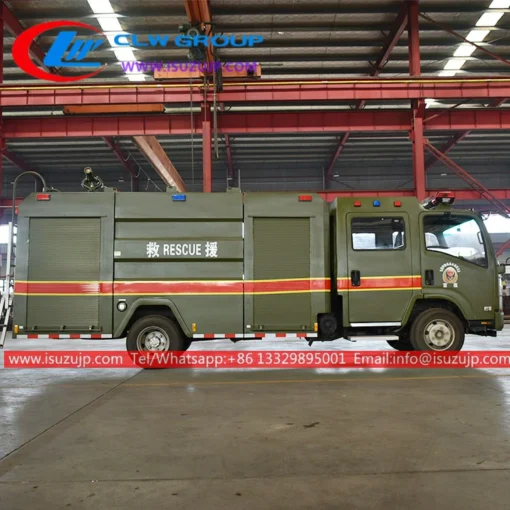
<point>41,197</point>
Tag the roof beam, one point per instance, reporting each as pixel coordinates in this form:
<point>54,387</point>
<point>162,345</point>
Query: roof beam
<point>448,146</point>
<point>260,122</point>
<point>499,205</point>
<point>16,28</point>
<point>156,155</point>
<point>126,163</point>
<point>370,89</point>
<point>16,160</point>
<point>399,25</point>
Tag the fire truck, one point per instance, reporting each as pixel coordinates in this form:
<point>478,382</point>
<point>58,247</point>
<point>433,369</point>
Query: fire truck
<point>166,269</point>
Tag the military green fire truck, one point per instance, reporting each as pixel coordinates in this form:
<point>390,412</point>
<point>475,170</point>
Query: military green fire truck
<point>166,269</point>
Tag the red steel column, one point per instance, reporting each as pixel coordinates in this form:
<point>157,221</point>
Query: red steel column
<point>206,151</point>
<point>418,106</point>
<point>418,154</point>
<point>413,30</point>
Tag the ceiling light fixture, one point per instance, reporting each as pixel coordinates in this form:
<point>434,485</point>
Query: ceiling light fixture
<point>477,35</point>
<point>454,63</point>
<point>465,50</point>
<point>109,23</point>
<point>101,6</point>
<point>136,77</point>
<point>499,4</point>
<point>489,19</point>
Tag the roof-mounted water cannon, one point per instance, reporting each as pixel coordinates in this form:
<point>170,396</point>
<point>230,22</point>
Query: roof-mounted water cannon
<point>442,198</point>
<point>91,181</point>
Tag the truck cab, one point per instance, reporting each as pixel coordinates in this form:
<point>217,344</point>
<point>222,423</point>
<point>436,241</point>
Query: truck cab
<point>423,271</point>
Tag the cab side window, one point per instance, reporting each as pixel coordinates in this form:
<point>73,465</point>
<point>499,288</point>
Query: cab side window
<point>378,233</point>
<point>455,235</point>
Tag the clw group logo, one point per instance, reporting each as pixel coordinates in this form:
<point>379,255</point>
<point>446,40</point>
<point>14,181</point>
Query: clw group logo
<point>70,51</point>
<point>66,42</point>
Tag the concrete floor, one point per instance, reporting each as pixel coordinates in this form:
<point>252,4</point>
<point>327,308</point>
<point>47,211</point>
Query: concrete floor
<point>300,439</point>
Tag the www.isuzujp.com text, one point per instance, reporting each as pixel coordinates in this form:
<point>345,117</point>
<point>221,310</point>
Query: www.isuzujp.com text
<point>143,67</point>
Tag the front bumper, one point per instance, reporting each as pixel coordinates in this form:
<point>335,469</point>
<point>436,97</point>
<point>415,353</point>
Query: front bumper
<point>486,328</point>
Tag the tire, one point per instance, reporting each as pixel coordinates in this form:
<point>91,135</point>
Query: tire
<point>401,345</point>
<point>156,333</point>
<point>437,330</point>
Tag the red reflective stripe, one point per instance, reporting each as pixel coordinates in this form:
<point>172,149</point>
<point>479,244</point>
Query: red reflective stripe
<point>169,287</point>
<point>32,336</point>
<point>20,287</point>
<point>63,288</point>
<point>75,336</point>
<point>96,337</point>
<point>230,335</point>
<point>177,287</point>
<point>209,335</point>
<point>288,285</point>
<point>281,335</point>
<point>260,335</point>
<point>382,282</point>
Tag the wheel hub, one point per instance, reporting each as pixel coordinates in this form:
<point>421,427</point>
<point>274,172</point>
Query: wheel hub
<point>439,335</point>
<point>153,340</point>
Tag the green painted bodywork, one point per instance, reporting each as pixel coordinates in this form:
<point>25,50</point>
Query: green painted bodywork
<point>259,237</point>
<point>478,287</point>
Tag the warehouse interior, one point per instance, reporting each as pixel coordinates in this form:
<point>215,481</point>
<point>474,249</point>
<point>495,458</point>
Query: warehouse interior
<point>342,99</point>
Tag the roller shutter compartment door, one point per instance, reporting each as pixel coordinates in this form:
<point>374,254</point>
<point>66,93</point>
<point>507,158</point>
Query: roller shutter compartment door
<point>64,250</point>
<point>281,252</point>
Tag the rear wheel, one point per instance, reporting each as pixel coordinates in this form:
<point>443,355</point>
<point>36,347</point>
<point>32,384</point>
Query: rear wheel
<point>437,330</point>
<point>155,333</point>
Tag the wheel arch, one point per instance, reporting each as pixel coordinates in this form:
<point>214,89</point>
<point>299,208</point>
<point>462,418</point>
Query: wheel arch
<point>423,304</point>
<point>150,306</point>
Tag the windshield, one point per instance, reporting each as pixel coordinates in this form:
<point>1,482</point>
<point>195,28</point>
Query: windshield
<point>458,236</point>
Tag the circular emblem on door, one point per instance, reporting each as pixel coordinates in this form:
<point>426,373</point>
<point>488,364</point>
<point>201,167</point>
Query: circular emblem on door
<point>450,274</point>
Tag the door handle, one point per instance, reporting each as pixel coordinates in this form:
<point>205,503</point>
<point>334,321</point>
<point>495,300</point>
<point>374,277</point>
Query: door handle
<point>355,278</point>
<point>429,277</point>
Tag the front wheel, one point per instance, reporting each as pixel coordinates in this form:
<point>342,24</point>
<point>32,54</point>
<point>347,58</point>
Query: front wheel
<point>437,330</point>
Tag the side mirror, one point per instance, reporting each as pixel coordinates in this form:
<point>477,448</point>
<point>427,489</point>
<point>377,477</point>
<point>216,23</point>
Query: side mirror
<point>504,269</point>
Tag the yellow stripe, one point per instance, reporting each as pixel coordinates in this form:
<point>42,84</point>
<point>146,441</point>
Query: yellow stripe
<point>388,288</point>
<point>417,81</point>
<point>380,277</point>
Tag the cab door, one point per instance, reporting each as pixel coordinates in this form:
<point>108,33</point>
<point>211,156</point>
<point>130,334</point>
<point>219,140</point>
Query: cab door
<point>458,263</point>
<point>381,278</point>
